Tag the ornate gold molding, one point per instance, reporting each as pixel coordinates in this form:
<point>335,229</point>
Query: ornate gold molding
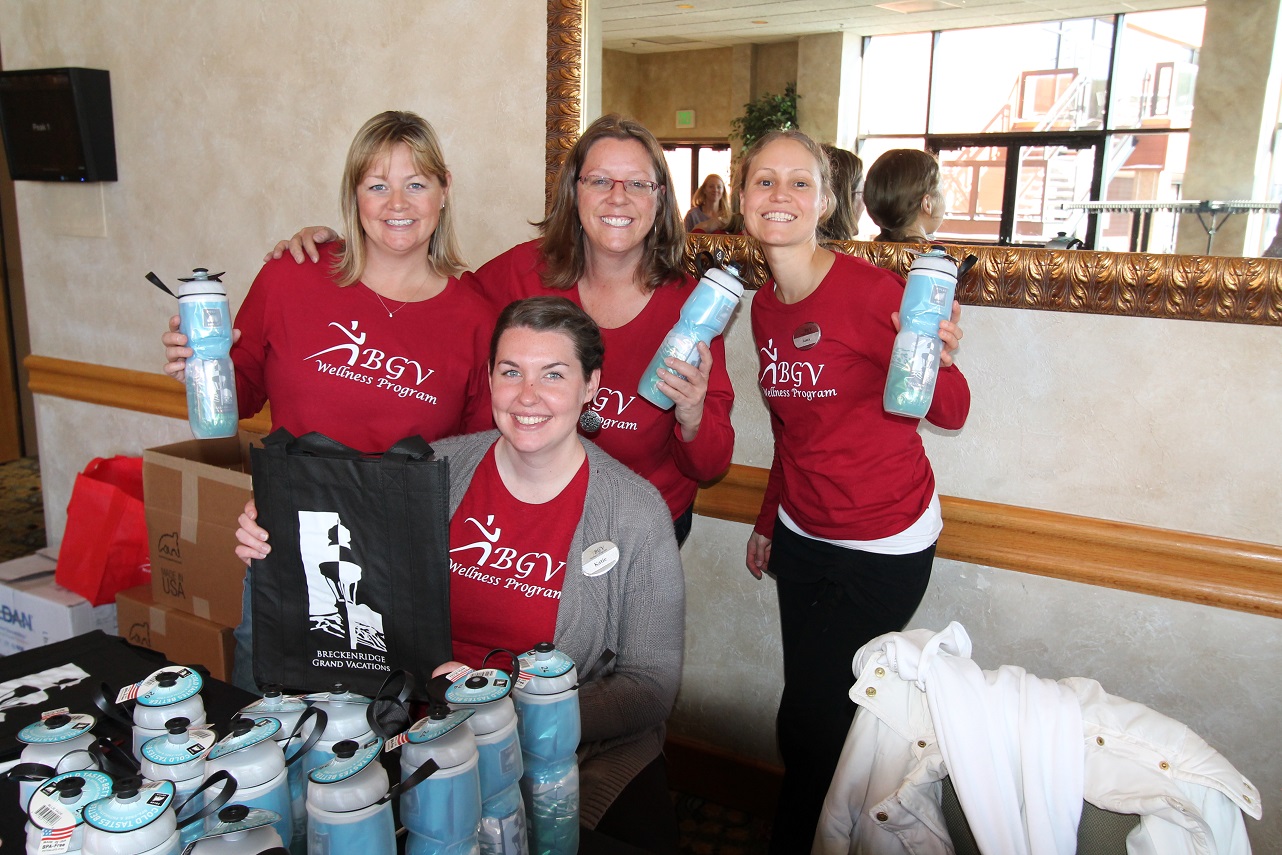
<point>565,84</point>
<point>1183,287</point>
<point>1177,565</point>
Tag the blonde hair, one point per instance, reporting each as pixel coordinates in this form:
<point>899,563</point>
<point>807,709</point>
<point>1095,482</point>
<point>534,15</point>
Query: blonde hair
<point>723,206</point>
<point>373,141</point>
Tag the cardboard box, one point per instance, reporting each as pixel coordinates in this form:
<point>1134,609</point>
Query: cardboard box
<point>194,491</point>
<point>35,611</point>
<point>181,637</point>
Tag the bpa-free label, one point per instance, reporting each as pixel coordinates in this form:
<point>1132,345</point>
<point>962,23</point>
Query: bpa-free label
<point>55,841</point>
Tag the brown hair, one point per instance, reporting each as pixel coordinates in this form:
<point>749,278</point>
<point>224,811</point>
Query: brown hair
<point>824,175</point>
<point>723,207</point>
<point>553,314</point>
<point>895,186</point>
<point>847,169</point>
<point>563,250</point>
<point>375,140</point>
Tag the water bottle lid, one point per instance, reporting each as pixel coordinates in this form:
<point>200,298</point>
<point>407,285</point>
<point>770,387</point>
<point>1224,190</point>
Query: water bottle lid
<point>546,672</point>
<point>350,758</point>
<point>245,734</point>
<point>56,728</point>
<point>725,279</point>
<point>434,727</point>
<point>133,805</point>
<point>235,818</point>
<point>178,748</point>
<point>480,687</point>
<point>169,686</point>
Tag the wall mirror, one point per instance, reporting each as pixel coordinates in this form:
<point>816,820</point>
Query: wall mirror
<point>1191,287</point>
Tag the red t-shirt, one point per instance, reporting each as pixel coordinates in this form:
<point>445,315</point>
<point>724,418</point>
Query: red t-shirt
<point>331,360</point>
<point>635,432</point>
<point>843,468</point>
<point>507,563</point>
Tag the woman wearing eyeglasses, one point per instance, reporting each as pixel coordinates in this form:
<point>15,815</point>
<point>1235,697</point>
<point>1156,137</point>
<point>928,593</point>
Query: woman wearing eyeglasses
<point>613,243</point>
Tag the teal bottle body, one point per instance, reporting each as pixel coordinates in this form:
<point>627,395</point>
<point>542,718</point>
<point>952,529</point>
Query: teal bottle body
<point>704,316</point>
<point>914,359</point>
<point>211,379</point>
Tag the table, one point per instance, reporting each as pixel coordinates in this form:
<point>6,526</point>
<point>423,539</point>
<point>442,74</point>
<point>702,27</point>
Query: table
<point>1142,212</point>
<point>115,661</point>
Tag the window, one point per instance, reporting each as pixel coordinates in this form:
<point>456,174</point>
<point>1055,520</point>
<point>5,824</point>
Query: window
<point>1029,123</point>
<point>690,163</point>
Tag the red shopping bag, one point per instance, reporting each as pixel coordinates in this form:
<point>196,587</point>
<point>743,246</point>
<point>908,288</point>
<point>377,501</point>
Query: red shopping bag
<point>104,548</point>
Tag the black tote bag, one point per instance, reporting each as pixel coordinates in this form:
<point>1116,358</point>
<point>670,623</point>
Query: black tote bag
<point>357,582</point>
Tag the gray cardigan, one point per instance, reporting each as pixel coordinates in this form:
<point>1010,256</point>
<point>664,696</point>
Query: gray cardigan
<point>637,610</point>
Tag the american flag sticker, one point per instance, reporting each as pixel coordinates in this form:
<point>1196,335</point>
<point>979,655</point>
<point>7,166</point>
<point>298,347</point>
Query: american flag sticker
<point>55,841</point>
<point>396,742</point>
<point>128,693</point>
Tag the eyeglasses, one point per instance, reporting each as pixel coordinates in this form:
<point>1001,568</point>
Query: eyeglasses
<point>631,186</point>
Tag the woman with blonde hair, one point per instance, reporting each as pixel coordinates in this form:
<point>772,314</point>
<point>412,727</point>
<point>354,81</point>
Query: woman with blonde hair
<point>850,515</point>
<point>381,340</point>
<point>710,205</point>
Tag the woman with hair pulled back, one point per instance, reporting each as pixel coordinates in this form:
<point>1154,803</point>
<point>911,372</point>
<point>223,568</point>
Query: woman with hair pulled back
<point>903,197</point>
<point>614,244</point>
<point>850,515</point>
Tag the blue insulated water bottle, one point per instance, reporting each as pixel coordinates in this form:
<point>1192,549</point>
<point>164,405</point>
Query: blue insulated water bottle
<point>211,380</point>
<point>179,756</point>
<point>54,811</point>
<point>493,722</point>
<point>250,754</point>
<point>347,809</point>
<point>547,715</point>
<point>704,316</point>
<point>443,813</point>
<point>914,359</point>
<point>56,743</point>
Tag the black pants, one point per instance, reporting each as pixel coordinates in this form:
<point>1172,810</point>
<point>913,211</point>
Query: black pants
<point>832,601</point>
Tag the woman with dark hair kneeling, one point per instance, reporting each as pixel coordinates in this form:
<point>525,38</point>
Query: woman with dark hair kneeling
<point>542,489</point>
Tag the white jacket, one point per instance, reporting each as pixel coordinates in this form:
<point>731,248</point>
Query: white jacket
<point>885,797</point>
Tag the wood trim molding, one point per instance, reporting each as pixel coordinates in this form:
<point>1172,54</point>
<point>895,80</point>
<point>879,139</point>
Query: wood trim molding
<point>564,85</point>
<point>1212,571</point>
<point>121,388</point>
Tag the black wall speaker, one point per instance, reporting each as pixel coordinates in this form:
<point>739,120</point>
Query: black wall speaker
<point>57,124</point>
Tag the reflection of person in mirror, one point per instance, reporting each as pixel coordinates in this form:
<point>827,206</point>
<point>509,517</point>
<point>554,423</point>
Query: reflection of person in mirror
<point>709,207</point>
<point>903,195</point>
<point>848,192</point>
<point>550,501</point>
<point>850,516</point>
<point>1274,249</point>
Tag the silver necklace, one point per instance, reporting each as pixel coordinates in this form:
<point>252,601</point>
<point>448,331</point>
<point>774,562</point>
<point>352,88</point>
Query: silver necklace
<point>392,312</point>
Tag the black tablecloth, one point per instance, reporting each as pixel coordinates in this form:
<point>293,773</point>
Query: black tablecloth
<point>117,663</point>
<point>107,659</point>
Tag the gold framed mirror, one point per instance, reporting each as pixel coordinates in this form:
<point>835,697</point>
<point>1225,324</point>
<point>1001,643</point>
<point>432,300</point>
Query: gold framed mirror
<point>1186,287</point>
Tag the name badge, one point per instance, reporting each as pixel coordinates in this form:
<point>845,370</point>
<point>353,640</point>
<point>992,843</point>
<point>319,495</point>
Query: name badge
<point>600,558</point>
<point>806,336</point>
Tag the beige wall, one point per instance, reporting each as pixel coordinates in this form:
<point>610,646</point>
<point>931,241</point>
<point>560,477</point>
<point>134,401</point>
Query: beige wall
<point>717,83</point>
<point>232,120</point>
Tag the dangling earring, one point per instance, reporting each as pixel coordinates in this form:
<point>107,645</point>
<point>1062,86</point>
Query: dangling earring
<point>590,421</point>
